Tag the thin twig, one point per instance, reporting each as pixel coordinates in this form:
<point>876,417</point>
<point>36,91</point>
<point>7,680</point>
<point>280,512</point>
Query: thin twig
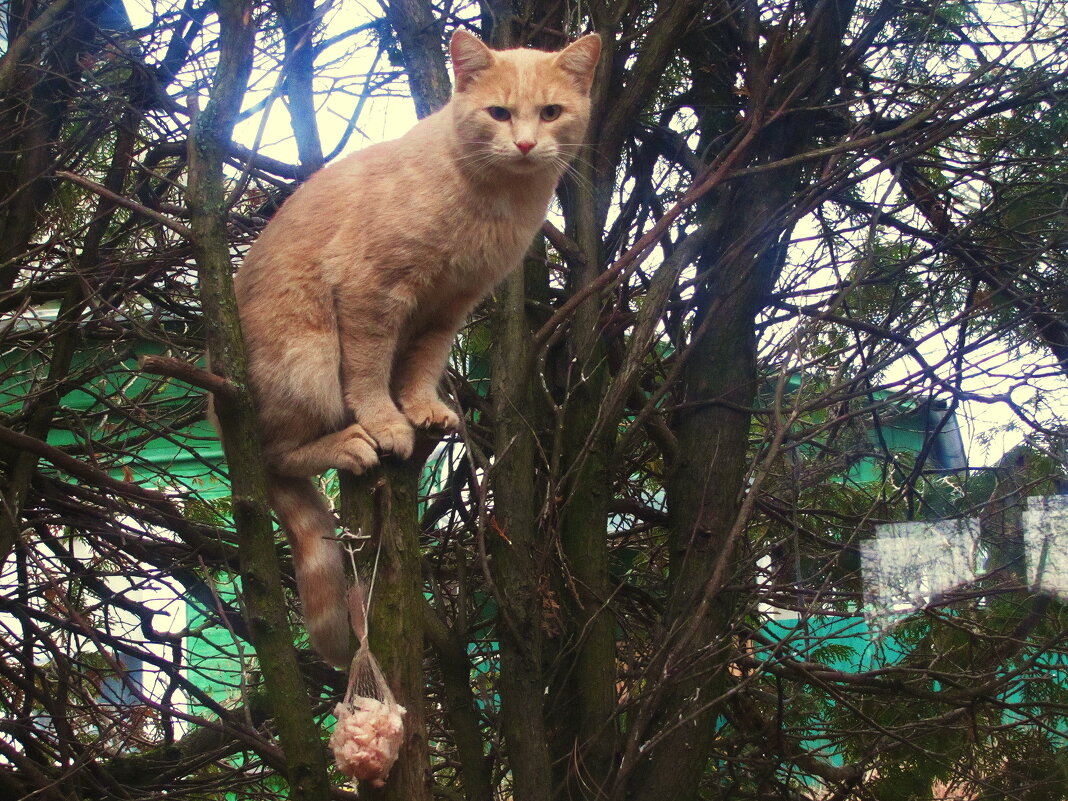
<point>126,203</point>
<point>189,373</point>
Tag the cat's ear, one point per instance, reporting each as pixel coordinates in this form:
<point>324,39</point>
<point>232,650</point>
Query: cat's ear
<point>469,57</point>
<point>579,59</point>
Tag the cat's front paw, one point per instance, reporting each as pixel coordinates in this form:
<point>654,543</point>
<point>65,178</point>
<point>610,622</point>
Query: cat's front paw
<point>430,414</point>
<point>394,436</point>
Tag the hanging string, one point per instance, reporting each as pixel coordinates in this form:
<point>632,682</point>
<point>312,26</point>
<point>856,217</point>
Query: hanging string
<point>370,725</point>
<point>353,543</point>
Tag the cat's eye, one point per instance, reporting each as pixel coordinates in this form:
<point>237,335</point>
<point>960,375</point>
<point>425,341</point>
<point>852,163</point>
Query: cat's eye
<point>499,113</point>
<point>550,112</point>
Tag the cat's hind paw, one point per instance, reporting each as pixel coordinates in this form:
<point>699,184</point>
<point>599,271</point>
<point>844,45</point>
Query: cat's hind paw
<point>356,450</point>
<point>431,414</point>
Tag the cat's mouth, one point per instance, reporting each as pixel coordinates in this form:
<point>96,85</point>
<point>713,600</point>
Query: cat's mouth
<point>528,161</point>
<point>512,161</point>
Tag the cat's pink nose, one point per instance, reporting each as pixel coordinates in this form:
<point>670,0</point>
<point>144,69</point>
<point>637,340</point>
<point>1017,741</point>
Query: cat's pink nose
<point>525,146</point>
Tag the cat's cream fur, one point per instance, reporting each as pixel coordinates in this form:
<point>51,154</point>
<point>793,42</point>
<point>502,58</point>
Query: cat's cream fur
<point>351,297</point>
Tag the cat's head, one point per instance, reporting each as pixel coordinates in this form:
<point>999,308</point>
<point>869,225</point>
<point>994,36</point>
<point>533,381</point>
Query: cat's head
<point>521,111</point>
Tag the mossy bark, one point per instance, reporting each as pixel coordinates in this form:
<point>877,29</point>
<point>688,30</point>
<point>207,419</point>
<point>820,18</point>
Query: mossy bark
<point>383,504</point>
<point>264,603</point>
<point>518,549</point>
<point>299,21</point>
<point>588,697</point>
<point>420,39</point>
<point>460,705</point>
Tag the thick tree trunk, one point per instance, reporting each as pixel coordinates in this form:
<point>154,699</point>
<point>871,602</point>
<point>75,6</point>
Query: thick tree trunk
<point>34,105</point>
<point>385,502</point>
<point>460,706</point>
<point>384,505</point>
<point>299,19</point>
<point>703,495</point>
<point>719,385</point>
<point>518,548</point>
<point>588,696</point>
<point>261,584</point>
<point>420,39</point>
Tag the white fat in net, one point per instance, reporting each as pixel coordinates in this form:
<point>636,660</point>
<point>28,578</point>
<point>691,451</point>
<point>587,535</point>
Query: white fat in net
<point>370,723</point>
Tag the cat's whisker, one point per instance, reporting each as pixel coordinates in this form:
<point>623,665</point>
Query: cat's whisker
<point>472,154</point>
<point>573,154</point>
<point>480,161</point>
<point>580,180</point>
<point>572,169</point>
<point>577,156</point>
<point>573,150</point>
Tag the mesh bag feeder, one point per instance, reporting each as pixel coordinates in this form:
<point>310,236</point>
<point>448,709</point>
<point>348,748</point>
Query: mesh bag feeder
<point>370,723</point>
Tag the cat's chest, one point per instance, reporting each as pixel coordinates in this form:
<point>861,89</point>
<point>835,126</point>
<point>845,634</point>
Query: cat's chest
<point>429,253</point>
<point>470,266</point>
<point>491,239</point>
<point>487,249</point>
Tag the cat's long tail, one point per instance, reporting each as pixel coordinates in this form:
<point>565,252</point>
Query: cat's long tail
<point>317,562</point>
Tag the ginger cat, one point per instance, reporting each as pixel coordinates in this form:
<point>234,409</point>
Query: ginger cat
<point>351,297</point>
